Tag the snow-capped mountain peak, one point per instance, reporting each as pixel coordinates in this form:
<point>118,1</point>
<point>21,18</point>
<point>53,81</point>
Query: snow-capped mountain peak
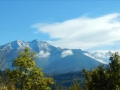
<point>17,44</point>
<point>37,45</point>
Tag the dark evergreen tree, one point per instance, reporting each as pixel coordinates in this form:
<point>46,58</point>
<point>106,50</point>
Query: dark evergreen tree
<point>104,77</point>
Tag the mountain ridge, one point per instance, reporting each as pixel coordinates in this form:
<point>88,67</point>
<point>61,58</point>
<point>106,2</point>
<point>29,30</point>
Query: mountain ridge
<point>49,56</point>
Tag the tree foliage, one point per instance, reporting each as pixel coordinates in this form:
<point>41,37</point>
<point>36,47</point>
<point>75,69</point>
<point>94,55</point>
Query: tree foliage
<point>75,86</point>
<point>106,77</point>
<point>25,76</point>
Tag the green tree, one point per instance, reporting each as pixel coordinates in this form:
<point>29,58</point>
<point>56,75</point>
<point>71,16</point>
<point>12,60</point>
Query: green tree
<point>114,71</point>
<point>25,75</point>
<point>106,77</point>
<point>75,86</point>
<point>96,79</point>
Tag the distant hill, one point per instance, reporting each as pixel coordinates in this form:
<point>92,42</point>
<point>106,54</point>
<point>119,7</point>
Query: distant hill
<point>66,79</point>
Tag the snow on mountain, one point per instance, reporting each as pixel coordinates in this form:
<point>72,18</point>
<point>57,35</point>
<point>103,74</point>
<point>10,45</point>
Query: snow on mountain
<point>18,44</point>
<point>37,45</point>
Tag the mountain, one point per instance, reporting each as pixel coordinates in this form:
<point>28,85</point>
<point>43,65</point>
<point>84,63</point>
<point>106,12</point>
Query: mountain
<point>74,62</point>
<point>52,59</point>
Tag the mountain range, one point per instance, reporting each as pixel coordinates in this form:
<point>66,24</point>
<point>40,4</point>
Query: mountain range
<point>54,59</point>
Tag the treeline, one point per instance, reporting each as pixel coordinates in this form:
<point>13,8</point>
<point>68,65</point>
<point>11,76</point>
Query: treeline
<point>66,79</point>
<point>26,76</point>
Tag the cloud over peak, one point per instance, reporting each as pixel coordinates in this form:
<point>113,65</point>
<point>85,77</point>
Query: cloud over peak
<point>83,32</point>
<point>66,53</point>
<point>43,54</point>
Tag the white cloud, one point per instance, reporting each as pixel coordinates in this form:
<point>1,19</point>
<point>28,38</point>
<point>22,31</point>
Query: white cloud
<point>105,51</point>
<point>83,32</point>
<point>43,54</point>
<point>98,58</point>
<point>66,53</point>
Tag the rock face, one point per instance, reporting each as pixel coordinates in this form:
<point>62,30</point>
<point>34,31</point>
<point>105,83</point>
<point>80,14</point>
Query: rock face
<point>51,59</point>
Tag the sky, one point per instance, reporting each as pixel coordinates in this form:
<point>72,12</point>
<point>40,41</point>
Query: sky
<point>92,25</point>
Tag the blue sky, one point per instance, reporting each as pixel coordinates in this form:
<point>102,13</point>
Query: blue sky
<point>86,24</point>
